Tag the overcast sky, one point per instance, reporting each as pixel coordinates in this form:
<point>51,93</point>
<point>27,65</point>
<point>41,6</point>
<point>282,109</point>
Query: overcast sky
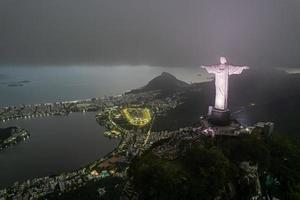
<point>184,33</point>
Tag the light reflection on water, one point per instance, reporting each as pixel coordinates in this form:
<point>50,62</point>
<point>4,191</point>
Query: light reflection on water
<point>291,70</point>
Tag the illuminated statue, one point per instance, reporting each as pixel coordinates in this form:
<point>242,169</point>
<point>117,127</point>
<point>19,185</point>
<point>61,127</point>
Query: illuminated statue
<point>222,71</point>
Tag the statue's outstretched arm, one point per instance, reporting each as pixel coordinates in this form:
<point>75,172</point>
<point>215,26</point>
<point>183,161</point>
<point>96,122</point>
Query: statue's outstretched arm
<point>237,69</point>
<point>210,69</point>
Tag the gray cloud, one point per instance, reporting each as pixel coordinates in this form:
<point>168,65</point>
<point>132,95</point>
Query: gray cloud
<point>151,32</point>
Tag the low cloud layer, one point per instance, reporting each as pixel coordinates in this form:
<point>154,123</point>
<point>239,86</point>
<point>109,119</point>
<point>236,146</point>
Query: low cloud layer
<point>149,32</point>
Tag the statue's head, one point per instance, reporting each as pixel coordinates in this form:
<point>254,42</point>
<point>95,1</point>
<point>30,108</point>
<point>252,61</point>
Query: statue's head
<point>223,60</point>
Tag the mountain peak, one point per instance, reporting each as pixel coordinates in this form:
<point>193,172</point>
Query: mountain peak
<point>167,74</point>
<point>165,81</point>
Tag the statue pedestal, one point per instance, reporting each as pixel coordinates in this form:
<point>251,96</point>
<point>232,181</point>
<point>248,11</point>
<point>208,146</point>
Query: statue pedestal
<point>219,117</point>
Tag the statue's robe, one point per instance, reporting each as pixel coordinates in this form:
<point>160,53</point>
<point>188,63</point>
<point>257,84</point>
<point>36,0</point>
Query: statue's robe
<point>222,73</point>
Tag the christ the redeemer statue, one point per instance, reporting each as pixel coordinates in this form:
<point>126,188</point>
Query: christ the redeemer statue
<point>222,72</point>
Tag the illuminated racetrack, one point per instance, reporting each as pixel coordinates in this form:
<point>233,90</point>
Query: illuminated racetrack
<point>137,116</point>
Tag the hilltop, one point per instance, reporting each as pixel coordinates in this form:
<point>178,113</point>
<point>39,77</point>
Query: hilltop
<point>163,82</point>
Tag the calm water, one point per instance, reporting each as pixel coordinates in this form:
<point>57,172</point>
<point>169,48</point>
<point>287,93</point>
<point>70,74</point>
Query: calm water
<point>49,84</point>
<point>57,144</point>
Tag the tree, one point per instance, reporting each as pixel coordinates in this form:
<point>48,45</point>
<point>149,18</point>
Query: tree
<point>199,173</point>
<point>285,166</point>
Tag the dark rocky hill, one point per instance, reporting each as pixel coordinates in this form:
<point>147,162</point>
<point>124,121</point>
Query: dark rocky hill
<point>164,82</point>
